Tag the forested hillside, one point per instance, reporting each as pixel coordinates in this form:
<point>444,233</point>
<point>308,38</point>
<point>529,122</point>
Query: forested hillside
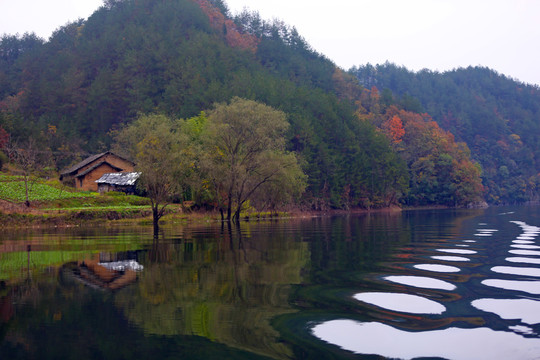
<point>180,57</point>
<point>498,117</point>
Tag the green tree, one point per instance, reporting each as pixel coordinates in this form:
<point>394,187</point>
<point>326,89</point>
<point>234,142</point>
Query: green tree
<point>157,147</point>
<point>30,160</point>
<point>244,151</point>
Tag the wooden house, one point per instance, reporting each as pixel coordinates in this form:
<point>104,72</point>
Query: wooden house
<point>91,169</point>
<point>124,182</point>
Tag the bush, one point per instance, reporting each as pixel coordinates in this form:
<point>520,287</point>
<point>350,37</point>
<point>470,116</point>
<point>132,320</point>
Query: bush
<point>3,159</point>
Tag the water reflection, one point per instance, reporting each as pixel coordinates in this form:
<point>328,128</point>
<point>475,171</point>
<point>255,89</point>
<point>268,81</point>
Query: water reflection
<point>401,302</point>
<point>526,310</point>
<point>524,252</point>
<point>524,260</point>
<point>512,329</point>
<point>531,287</point>
<point>457,251</point>
<point>512,270</point>
<point>389,284</point>
<point>450,258</point>
<point>226,290</point>
<point>421,281</point>
<point>217,283</point>
<point>451,343</point>
<point>437,268</point>
<point>521,246</point>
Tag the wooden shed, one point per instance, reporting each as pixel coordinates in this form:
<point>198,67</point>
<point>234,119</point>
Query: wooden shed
<point>124,182</point>
<point>91,169</point>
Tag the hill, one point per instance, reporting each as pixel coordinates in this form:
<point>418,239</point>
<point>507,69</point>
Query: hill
<point>498,117</point>
<point>180,57</point>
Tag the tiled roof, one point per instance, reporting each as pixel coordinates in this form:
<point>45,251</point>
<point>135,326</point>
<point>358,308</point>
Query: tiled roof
<point>92,168</point>
<point>83,163</point>
<point>87,161</point>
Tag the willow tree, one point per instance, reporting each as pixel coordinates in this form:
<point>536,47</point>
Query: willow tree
<point>243,151</point>
<point>156,145</point>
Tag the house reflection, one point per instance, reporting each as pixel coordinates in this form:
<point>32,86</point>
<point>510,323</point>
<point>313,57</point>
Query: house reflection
<point>104,271</point>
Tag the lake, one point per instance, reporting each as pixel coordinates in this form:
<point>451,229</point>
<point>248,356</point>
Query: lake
<point>455,284</point>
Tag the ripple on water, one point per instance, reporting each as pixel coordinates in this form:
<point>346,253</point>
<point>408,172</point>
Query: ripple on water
<point>526,310</point>
<point>401,302</point>
<point>524,252</point>
<point>523,242</point>
<point>451,343</point>
<point>523,260</point>
<point>457,251</point>
<point>531,287</point>
<point>437,268</point>
<point>526,237</point>
<point>522,329</point>
<point>421,282</point>
<point>512,270</point>
<point>485,232</point>
<point>450,258</point>
<point>524,246</point>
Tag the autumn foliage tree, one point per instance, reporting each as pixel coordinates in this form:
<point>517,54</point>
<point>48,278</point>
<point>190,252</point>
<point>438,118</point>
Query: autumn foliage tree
<point>441,169</point>
<point>393,128</point>
<point>231,31</point>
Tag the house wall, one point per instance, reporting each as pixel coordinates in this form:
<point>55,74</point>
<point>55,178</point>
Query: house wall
<point>88,181</point>
<point>103,188</point>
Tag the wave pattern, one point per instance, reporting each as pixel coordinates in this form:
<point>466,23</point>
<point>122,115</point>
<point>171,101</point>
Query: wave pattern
<point>475,301</point>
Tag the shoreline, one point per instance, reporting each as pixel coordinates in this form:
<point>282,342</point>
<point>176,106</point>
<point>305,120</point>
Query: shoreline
<point>17,215</point>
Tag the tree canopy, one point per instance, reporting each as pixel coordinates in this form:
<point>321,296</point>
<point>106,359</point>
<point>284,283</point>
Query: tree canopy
<point>157,147</point>
<point>244,151</point>
<point>497,117</point>
<point>177,58</point>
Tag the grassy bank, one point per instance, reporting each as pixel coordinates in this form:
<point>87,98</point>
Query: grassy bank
<point>53,204</point>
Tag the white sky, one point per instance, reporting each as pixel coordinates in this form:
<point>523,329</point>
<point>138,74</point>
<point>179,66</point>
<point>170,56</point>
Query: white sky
<point>436,34</point>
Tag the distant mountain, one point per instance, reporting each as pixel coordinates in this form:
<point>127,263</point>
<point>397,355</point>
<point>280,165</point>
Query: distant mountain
<point>179,57</point>
<point>498,117</point>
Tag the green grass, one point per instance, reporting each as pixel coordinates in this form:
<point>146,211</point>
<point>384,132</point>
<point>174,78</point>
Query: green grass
<point>50,195</point>
<point>38,191</point>
<point>96,208</point>
<point>4,177</point>
<point>96,201</point>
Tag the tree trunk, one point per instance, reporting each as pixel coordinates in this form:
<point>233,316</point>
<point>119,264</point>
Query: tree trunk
<point>236,216</point>
<point>27,202</point>
<point>155,219</point>
<point>229,209</point>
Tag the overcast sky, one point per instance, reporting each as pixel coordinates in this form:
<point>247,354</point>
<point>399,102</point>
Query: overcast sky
<point>435,34</point>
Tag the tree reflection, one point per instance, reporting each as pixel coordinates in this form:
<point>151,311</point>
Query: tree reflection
<point>225,286</point>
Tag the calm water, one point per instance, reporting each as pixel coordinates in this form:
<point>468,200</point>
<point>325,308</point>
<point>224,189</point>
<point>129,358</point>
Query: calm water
<point>456,284</point>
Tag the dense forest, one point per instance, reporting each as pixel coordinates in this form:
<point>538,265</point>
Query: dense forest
<point>358,147</point>
<point>498,117</point>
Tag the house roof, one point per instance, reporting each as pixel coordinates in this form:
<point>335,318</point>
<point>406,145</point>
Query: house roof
<point>120,179</point>
<point>92,168</point>
<point>87,161</point>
